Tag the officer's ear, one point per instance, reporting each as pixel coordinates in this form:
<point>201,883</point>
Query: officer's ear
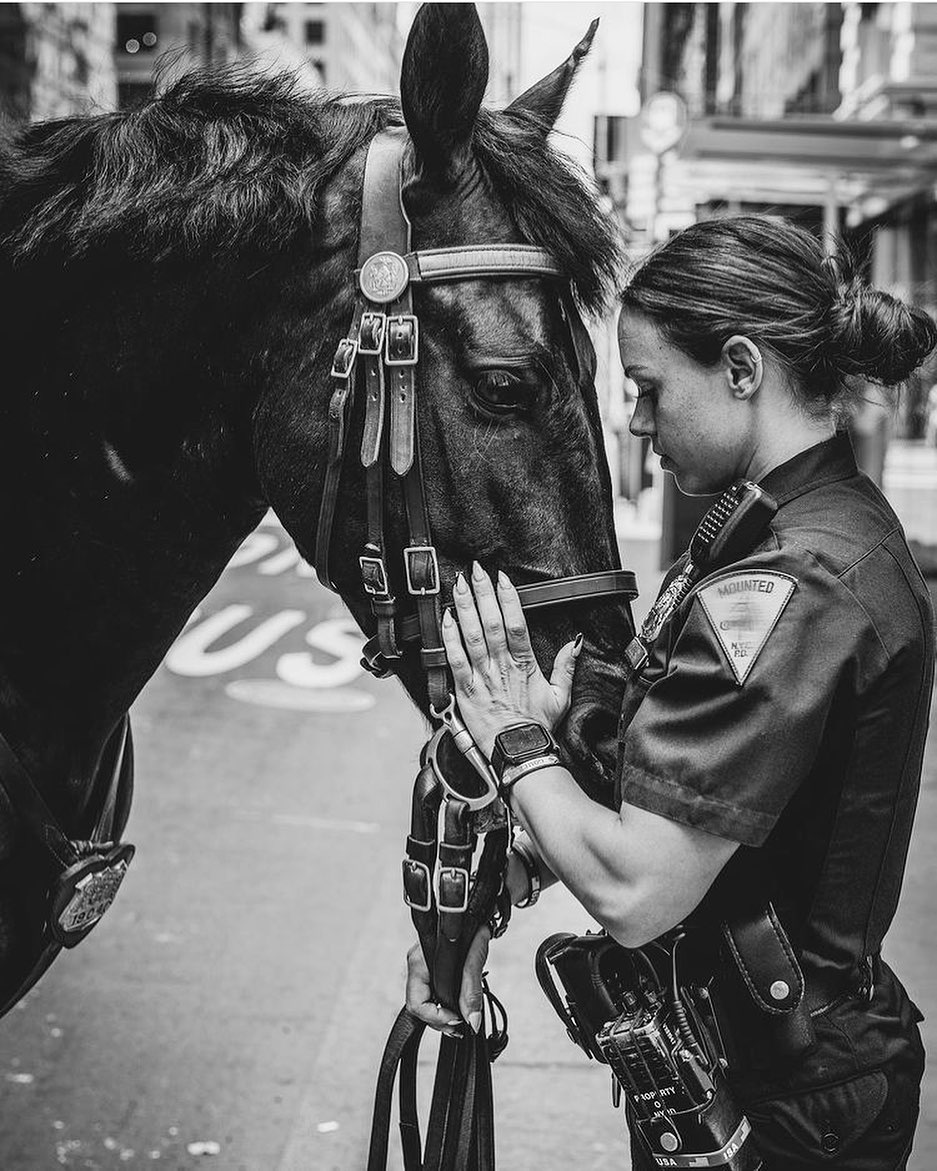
<point>743,365</point>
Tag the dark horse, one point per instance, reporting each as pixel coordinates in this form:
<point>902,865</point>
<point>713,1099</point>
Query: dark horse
<point>176,280</point>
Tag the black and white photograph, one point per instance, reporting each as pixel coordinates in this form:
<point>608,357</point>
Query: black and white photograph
<point>468,501</point>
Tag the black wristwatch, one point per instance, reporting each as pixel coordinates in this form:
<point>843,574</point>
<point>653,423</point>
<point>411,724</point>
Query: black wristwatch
<point>519,743</point>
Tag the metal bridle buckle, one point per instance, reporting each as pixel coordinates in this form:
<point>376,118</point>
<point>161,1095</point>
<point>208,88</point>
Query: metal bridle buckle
<point>371,333</point>
<point>84,892</point>
<point>430,551</point>
<point>419,873</point>
<point>403,330</point>
<point>380,572</point>
<point>344,358</point>
<point>458,881</point>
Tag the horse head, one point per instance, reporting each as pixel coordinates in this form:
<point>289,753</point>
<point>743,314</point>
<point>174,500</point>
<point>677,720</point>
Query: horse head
<point>193,260</point>
<point>509,432</point>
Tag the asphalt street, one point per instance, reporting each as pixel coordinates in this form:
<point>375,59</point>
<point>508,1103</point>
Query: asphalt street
<point>230,1011</point>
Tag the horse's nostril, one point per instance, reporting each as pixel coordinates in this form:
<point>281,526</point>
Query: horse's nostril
<point>591,738</point>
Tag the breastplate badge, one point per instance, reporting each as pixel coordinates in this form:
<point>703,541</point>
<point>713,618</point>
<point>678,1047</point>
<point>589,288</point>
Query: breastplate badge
<point>84,892</point>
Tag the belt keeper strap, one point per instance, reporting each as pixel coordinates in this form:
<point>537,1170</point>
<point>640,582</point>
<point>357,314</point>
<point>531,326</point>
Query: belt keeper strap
<point>766,961</point>
<point>431,657</point>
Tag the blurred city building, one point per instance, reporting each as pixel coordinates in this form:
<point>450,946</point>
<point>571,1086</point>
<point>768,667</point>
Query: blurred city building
<point>505,32</point>
<point>824,112</point>
<point>56,59</point>
<point>170,39</point>
<point>353,48</point>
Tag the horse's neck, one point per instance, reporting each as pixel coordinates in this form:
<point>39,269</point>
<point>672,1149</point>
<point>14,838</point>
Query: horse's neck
<point>128,476</point>
<point>109,556</point>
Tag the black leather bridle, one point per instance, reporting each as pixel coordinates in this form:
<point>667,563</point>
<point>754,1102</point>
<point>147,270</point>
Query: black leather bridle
<point>448,900</point>
<point>381,353</point>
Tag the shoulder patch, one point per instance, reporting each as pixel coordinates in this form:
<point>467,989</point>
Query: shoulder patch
<point>743,608</point>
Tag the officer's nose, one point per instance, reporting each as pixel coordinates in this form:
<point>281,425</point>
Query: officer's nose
<point>642,421</point>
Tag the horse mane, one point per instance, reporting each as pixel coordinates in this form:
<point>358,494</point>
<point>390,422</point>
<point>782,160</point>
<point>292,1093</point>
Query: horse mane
<point>229,158</point>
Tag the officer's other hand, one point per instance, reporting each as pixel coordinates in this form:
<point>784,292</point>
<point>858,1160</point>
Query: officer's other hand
<point>420,1001</point>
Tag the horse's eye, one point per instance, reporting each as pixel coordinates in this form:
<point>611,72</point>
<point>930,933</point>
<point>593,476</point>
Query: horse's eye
<point>506,392</point>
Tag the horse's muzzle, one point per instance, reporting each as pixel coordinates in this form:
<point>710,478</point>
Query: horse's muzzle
<point>590,731</point>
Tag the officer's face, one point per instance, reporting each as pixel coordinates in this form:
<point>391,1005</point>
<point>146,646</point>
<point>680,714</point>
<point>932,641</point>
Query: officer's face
<point>686,410</point>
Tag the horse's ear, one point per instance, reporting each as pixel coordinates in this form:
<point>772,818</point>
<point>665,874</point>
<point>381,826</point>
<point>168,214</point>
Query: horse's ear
<point>442,82</point>
<point>545,98</point>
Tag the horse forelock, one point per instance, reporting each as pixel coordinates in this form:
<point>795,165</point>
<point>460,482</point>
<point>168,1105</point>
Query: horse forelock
<point>552,201</point>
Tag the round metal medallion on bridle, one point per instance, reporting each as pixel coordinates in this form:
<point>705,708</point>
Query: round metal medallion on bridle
<point>383,277</point>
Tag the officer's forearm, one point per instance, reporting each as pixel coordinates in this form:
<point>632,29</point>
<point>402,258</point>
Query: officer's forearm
<point>637,872</point>
<point>580,841</point>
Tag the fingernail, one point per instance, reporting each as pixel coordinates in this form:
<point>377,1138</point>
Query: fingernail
<point>477,572</point>
<point>447,618</point>
<point>577,645</point>
<point>455,1034</point>
<point>503,580</point>
<point>475,1021</point>
<point>460,584</point>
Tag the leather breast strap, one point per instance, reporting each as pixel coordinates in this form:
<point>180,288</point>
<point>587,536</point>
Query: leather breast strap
<point>34,811</point>
<point>70,855</point>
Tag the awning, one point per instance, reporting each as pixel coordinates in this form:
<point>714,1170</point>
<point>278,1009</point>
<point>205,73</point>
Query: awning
<point>866,166</point>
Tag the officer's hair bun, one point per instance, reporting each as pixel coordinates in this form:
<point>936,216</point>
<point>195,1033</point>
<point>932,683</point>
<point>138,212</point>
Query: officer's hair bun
<point>874,335</point>
<point>771,280</point>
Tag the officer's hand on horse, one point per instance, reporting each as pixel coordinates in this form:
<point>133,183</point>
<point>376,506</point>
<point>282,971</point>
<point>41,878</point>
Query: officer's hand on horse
<point>497,678</point>
<point>420,997</point>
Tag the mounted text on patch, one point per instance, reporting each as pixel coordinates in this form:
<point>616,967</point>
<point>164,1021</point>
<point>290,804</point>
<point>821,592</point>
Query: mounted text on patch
<point>743,608</point>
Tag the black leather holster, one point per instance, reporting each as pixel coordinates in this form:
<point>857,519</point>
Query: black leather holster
<point>758,996</point>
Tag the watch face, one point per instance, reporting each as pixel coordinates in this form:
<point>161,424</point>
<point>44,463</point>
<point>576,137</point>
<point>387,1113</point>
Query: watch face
<point>527,740</point>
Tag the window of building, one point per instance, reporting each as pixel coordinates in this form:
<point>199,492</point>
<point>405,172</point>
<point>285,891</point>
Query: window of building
<point>137,32</point>
<point>315,32</point>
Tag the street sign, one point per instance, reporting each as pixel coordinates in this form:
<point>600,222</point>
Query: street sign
<point>663,121</point>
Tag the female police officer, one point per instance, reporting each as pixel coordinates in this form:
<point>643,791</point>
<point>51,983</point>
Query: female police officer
<point>773,740</point>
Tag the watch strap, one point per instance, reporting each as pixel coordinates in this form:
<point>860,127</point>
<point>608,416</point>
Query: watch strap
<point>513,774</point>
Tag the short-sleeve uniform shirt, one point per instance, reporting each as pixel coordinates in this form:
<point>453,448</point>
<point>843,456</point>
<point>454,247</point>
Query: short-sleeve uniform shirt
<point>785,706</point>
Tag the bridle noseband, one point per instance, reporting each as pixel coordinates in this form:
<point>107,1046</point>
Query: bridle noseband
<point>383,343</point>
